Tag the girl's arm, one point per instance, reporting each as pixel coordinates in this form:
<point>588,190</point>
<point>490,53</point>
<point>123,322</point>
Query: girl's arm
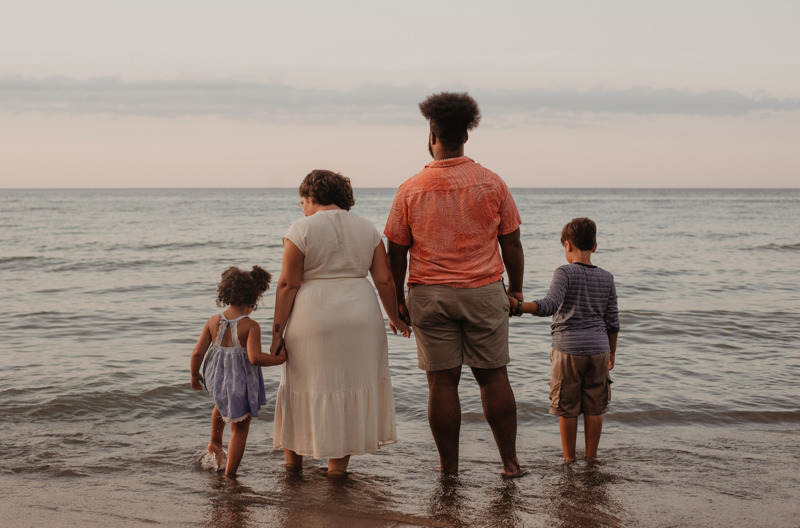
<point>384,283</point>
<point>254,353</point>
<point>288,284</point>
<point>198,354</point>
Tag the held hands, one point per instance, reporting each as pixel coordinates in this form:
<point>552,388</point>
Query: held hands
<point>514,304</point>
<point>400,324</point>
<point>278,348</point>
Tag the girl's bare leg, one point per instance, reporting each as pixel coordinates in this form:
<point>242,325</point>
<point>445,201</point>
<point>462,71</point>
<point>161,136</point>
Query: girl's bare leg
<point>215,445</point>
<point>592,428</point>
<point>293,460</point>
<point>338,466</point>
<point>236,445</point>
<point>569,432</point>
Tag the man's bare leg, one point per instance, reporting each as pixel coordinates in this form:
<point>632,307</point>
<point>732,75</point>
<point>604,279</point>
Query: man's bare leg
<point>500,410</point>
<point>444,415</point>
<point>569,433</point>
<point>592,428</point>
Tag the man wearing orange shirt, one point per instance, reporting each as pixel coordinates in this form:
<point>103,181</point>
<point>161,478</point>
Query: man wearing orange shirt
<point>460,226</point>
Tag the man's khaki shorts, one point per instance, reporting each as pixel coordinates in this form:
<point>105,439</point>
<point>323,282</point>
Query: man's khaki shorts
<point>459,326</point>
<point>579,384</point>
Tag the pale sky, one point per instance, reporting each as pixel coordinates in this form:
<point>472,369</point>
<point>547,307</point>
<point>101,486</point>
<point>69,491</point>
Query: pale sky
<point>179,93</point>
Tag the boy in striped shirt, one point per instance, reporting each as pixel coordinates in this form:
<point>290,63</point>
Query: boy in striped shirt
<point>583,302</point>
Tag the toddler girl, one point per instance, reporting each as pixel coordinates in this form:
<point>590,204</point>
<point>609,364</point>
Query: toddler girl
<point>232,371</point>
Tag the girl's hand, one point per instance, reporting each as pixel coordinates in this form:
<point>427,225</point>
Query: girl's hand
<point>399,324</point>
<point>197,382</point>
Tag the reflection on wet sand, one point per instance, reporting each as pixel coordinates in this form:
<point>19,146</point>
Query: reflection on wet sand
<point>230,504</point>
<point>312,498</point>
<point>451,504</point>
<point>581,498</point>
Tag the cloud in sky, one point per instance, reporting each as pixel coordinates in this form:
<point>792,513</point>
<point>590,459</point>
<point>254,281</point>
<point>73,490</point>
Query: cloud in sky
<point>368,104</point>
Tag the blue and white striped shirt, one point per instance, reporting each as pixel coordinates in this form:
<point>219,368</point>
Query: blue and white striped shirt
<point>583,302</point>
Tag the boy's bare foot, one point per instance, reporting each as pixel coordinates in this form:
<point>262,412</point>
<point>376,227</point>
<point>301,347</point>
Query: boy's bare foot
<point>568,461</point>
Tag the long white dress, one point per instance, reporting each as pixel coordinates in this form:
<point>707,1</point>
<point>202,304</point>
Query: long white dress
<point>335,397</point>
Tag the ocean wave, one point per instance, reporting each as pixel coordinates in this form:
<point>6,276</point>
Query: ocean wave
<point>710,416</point>
<point>775,247</point>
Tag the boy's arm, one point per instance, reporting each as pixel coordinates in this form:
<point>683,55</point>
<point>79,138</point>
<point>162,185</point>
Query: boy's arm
<point>612,323</point>
<point>612,346</point>
<point>254,353</point>
<point>553,299</point>
<point>198,354</point>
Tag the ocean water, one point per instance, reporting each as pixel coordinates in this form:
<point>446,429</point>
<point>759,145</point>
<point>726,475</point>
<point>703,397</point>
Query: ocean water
<point>105,292</point>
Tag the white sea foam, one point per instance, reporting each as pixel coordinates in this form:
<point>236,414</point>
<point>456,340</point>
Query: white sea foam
<point>208,462</point>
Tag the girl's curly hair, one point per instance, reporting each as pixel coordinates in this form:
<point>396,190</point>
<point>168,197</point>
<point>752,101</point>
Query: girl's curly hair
<point>242,288</point>
<point>326,187</point>
<point>451,115</point>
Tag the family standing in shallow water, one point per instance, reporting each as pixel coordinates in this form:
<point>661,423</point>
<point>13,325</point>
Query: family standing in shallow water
<point>454,230</point>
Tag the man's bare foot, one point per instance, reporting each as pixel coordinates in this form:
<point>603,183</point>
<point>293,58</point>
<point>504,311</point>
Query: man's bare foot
<point>519,472</point>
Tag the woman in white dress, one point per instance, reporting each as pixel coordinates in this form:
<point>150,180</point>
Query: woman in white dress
<point>335,398</point>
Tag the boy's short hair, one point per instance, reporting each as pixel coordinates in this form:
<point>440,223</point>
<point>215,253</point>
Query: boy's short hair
<point>581,233</point>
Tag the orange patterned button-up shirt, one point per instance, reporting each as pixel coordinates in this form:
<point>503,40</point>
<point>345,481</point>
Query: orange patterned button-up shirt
<point>450,215</point>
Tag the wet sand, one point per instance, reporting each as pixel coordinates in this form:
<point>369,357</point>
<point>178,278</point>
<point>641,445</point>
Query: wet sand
<point>663,476</point>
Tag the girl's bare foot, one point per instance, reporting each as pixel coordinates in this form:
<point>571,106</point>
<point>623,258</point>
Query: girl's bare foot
<point>215,448</point>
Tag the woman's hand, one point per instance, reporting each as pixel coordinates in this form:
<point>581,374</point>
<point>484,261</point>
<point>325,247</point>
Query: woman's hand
<point>197,382</point>
<point>277,346</point>
<point>399,324</point>
<point>281,354</point>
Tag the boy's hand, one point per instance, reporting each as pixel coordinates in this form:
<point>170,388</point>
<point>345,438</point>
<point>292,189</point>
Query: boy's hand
<point>611,361</point>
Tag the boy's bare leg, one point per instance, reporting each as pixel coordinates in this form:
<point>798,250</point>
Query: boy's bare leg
<point>338,466</point>
<point>292,459</point>
<point>592,428</point>
<point>500,410</point>
<point>444,415</point>
<point>569,433</point>
<point>236,445</point>
<point>215,445</point>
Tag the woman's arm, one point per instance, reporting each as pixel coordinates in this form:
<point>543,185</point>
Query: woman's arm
<point>288,284</point>
<point>384,283</point>
<point>254,353</point>
<point>198,354</point>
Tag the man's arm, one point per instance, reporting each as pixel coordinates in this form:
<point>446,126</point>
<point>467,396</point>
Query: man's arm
<point>398,264</point>
<point>514,261</point>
